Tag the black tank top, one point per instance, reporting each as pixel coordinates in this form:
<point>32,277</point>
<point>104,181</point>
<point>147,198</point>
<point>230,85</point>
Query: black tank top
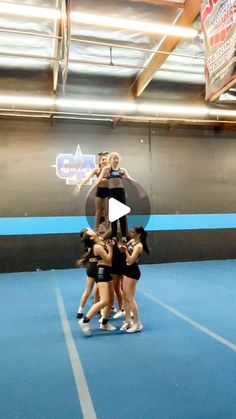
<point>130,248</point>
<point>114,174</point>
<point>98,257</point>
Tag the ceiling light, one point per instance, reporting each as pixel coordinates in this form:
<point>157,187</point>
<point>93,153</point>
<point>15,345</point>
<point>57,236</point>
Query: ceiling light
<point>222,112</point>
<point>96,105</point>
<point>173,109</point>
<point>132,25</point>
<point>26,100</point>
<point>91,106</point>
<point>29,11</point>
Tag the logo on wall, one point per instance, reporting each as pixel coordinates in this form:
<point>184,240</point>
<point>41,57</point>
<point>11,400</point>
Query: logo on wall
<point>74,168</point>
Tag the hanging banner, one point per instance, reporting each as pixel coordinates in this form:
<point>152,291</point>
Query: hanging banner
<point>219,27</point>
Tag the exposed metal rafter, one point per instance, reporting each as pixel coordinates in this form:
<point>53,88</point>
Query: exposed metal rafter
<point>56,52</point>
<point>186,18</point>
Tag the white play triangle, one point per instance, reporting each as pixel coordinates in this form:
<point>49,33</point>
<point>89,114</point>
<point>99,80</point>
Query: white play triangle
<point>117,210</point>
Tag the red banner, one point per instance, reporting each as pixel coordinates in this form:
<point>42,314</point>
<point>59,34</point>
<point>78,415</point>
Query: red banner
<point>219,28</point>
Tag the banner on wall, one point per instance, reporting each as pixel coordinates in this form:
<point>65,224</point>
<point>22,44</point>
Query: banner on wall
<point>219,27</point>
<point>74,168</point>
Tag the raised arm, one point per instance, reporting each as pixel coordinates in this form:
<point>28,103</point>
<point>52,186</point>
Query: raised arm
<point>90,175</point>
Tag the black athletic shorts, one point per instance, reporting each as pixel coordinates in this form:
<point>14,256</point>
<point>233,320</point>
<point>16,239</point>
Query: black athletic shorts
<point>118,262</point>
<point>102,192</point>
<point>132,271</point>
<point>104,274</point>
<point>92,270</point>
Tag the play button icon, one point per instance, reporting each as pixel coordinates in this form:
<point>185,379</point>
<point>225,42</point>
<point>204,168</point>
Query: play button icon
<point>137,206</point>
<point>117,210</point>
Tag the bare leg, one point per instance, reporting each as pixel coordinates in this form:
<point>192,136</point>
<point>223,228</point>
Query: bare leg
<point>105,212</point>
<point>107,309</point>
<point>96,295</point>
<point>89,286</point>
<point>98,212</point>
<point>129,287</point>
<point>107,234</point>
<point>117,286</point>
<point>104,293</point>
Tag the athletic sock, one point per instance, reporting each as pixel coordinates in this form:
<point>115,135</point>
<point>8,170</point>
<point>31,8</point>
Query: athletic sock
<point>86,320</point>
<point>104,321</point>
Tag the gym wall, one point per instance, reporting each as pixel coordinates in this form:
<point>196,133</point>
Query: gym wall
<point>188,173</point>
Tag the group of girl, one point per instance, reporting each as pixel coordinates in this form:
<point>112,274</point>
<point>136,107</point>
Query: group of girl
<point>114,268</point>
<point>111,264</point>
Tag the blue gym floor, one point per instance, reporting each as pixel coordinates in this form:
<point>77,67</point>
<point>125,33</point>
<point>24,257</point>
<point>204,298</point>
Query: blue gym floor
<point>181,366</point>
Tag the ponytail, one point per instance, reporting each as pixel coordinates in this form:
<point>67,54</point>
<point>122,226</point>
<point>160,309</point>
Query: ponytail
<point>83,261</point>
<point>143,238</point>
<point>88,248</point>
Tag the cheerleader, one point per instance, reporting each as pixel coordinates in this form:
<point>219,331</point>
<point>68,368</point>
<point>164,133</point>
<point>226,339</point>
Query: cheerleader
<point>103,253</point>
<point>132,274</point>
<point>114,175</point>
<point>101,198</point>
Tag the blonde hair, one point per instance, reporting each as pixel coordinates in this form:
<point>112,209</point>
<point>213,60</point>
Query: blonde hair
<point>113,154</point>
<point>101,155</point>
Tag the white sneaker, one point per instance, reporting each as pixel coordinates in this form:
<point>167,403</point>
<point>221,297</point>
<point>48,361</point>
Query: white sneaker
<point>109,327</point>
<point>85,327</point>
<point>113,310</point>
<point>120,313</point>
<point>137,327</point>
<point>126,325</point>
<point>100,319</point>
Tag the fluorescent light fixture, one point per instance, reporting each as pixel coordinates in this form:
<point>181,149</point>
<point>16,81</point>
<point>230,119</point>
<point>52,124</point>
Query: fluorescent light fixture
<point>222,112</point>
<point>173,109</point>
<point>29,11</point>
<point>83,118</point>
<point>96,105</point>
<point>88,107</point>
<point>132,25</point>
<point>27,100</point>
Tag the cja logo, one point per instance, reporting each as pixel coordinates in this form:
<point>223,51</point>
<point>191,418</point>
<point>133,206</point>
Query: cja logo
<point>74,168</point>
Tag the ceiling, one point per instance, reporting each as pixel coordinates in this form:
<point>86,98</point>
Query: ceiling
<point>88,62</point>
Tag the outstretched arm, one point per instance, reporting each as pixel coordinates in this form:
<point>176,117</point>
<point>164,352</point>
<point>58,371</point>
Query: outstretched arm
<point>90,175</point>
<point>127,176</point>
<point>138,187</point>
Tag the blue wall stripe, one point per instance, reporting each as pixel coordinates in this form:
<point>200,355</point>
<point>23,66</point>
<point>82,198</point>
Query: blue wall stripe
<point>73,224</point>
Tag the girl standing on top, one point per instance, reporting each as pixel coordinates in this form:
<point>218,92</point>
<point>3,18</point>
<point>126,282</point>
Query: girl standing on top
<point>101,198</point>
<point>114,175</point>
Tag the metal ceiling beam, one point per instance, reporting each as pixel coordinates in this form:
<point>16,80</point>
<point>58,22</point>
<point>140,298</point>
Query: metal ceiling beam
<point>132,48</point>
<point>186,18</point>
<point>56,51</point>
<point>37,34</point>
<point>168,3</point>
